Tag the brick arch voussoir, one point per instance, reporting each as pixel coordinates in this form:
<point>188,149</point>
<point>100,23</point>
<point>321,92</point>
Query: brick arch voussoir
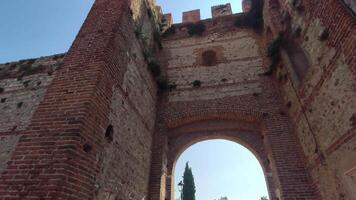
<point>201,115</point>
<point>179,148</point>
<point>186,137</point>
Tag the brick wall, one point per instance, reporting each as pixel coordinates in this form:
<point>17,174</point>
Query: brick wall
<point>322,104</point>
<point>23,86</point>
<point>191,16</point>
<point>61,148</point>
<point>232,91</point>
<point>85,127</point>
<point>221,10</point>
<point>235,73</point>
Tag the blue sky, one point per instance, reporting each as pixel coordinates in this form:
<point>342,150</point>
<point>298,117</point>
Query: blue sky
<point>222,168</point>
<point>177,7</point>
<point>34,28</point>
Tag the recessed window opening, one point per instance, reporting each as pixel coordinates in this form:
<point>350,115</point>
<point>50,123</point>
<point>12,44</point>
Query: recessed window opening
<point>209,58</point>
<point>109,133</point>
<point>297,58</point>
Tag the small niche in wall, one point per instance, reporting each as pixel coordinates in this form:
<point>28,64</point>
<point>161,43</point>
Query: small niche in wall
<point>109,133</point>
<point>209,58</point>
<point>297,57</point>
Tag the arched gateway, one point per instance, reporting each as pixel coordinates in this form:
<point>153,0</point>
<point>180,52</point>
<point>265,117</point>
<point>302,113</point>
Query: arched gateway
<point>222,166</point>
<point>107,121</point>
<point>246,134</point>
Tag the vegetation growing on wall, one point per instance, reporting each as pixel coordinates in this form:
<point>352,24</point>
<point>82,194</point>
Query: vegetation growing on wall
<point>148,50</point>
<point>28,69</point>
<point>252,19</point>
<point>4,72</point>
<point>297,4</point>
<point>170,31</point>
<point>138,31</point>
<point>273,53</point>
<point>157,39</point>
<point>196,28</point>
<point>154,68</point>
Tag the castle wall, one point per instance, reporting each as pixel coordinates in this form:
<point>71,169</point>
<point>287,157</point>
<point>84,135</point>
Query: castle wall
<point>63,146</point>
<point>232,89</point>
<point>235,74</point>
<point>126,161</point>
<point>21,93</point>
<point>91,126</point>
<point>23,85</point>
<point>322,103</point>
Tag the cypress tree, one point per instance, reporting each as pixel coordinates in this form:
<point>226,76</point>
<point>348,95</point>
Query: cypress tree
<point>188,184</point>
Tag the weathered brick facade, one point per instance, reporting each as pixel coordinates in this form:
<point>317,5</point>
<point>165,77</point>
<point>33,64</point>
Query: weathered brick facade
<point>104,123</point>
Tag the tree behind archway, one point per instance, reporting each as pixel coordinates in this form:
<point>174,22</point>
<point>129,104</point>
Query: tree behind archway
<point>188,184</point>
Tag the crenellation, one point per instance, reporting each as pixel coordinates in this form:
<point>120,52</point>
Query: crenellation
<point>221,10</point>
<point>191,16</point>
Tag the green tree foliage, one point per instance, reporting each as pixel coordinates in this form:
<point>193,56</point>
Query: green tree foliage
<point>188,184</point>
<point>264,198</point>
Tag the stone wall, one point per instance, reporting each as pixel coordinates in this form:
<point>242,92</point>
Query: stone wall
<point>84,131</point>
<point>322,103</point>
<point>126,160</point>
<point>23,85</point>
<point>91,126</point>
<point>231,89</point>
<point>234,74</point>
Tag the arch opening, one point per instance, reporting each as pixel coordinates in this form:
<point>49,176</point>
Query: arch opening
<point>221,168</point>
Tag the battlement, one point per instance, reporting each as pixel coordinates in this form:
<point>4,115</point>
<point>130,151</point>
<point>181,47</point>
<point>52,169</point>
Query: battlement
<point>221,10</point>
<point>194,15</point>
<point>191,16</point>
